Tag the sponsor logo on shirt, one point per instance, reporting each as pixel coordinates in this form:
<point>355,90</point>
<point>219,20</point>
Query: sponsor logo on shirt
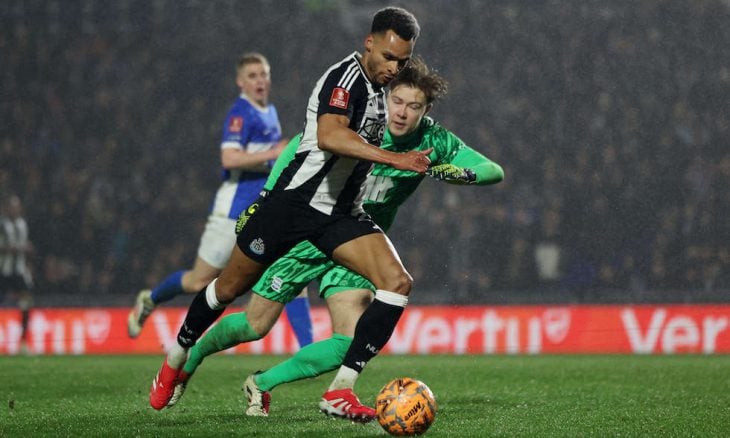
<point>340,97</point>
<point>236,124</point>
<point>257,246</point>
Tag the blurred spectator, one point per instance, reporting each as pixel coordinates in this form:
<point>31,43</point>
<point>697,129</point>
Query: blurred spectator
<point>16,278</point>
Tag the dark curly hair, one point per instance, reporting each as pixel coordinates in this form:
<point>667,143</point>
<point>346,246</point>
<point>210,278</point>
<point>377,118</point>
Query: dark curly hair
<point>400,21</point>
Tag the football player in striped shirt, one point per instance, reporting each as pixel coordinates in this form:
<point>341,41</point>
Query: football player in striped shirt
<point>347,294</point>
<point>318,197</point>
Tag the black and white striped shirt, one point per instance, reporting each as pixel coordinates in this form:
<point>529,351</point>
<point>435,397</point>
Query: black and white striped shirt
<point>13,234</point>
<point>330,183</point>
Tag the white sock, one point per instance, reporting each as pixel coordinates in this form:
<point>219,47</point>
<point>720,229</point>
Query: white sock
<point>177,356</point>
<point>345,378</point>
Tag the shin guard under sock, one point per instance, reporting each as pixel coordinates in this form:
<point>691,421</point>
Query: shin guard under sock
<point>374,328</point>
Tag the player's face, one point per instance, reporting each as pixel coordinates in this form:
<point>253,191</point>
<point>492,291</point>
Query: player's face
<point>385,55</point>
<point>406,107</point>
<point>255,82</point>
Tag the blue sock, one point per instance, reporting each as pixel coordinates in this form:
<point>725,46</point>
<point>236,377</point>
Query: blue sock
<point>169,288</point>
<point>300,320</point>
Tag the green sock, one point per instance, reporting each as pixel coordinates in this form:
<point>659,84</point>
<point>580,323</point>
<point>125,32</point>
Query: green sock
<point>313,360</point>
<point>230,331</point>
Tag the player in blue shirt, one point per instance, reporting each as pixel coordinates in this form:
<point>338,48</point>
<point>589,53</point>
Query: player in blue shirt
<point>251,141</point>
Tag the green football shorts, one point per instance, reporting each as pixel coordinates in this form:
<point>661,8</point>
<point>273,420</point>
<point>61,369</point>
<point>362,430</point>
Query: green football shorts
<point>287,276</point>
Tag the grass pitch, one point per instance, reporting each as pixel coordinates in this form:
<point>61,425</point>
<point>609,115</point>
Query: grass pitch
<point>477,396</point>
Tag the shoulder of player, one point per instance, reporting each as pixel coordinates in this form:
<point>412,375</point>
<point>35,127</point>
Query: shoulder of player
<point>349,75</point>
<point>244,106</point>
<point>240,107</point>
<point>246,110</point>
<point>442,140</point>
<point>434,133</point>
<point>343,70</point>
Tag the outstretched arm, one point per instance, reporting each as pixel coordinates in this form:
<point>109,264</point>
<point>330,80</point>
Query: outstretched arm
<point>468,167</point>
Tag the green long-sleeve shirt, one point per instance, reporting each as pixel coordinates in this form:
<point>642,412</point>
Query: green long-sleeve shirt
<point>387,188</point>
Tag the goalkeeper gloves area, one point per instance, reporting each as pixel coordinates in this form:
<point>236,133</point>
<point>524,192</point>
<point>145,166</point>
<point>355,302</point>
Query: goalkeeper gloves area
<point>452,174</point>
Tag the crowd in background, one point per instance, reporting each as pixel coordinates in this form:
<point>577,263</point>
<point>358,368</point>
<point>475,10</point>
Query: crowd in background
<point>610,120</point>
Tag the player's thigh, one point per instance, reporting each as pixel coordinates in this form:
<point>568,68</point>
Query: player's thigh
<point>262,313</point>
<point>374,256</point>
<point>346,307</point>
<point>217,241</point>
<point>238,276</point>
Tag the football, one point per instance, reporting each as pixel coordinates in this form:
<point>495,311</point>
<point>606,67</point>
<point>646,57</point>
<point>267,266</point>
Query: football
<point>405,407</point>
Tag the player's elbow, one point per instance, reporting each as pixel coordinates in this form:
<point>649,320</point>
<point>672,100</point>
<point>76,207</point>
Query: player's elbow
<point>227,164</point>
<point>498,172</point>
<point>323,145</point>
<point>325,140</point>
<point>494,174</point>
<point>229,159</point>
<point>332,130</point>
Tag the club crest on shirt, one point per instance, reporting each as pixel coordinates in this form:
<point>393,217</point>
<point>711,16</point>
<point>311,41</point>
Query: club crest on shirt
<point>257,246</point>
<point>339,98</point>
<point>236,124</point>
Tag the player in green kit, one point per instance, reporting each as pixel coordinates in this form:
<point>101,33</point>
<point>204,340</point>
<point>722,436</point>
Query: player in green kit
<point>347,294</point>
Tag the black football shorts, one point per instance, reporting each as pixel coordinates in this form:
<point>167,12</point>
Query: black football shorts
<point>280,222</point>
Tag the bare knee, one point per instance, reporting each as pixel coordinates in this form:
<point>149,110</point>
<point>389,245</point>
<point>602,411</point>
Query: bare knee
<point>227,290</point>
<point>398,281</point>
<point>237,277</point>
<point>193,283</point>
<point>197,278</point>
